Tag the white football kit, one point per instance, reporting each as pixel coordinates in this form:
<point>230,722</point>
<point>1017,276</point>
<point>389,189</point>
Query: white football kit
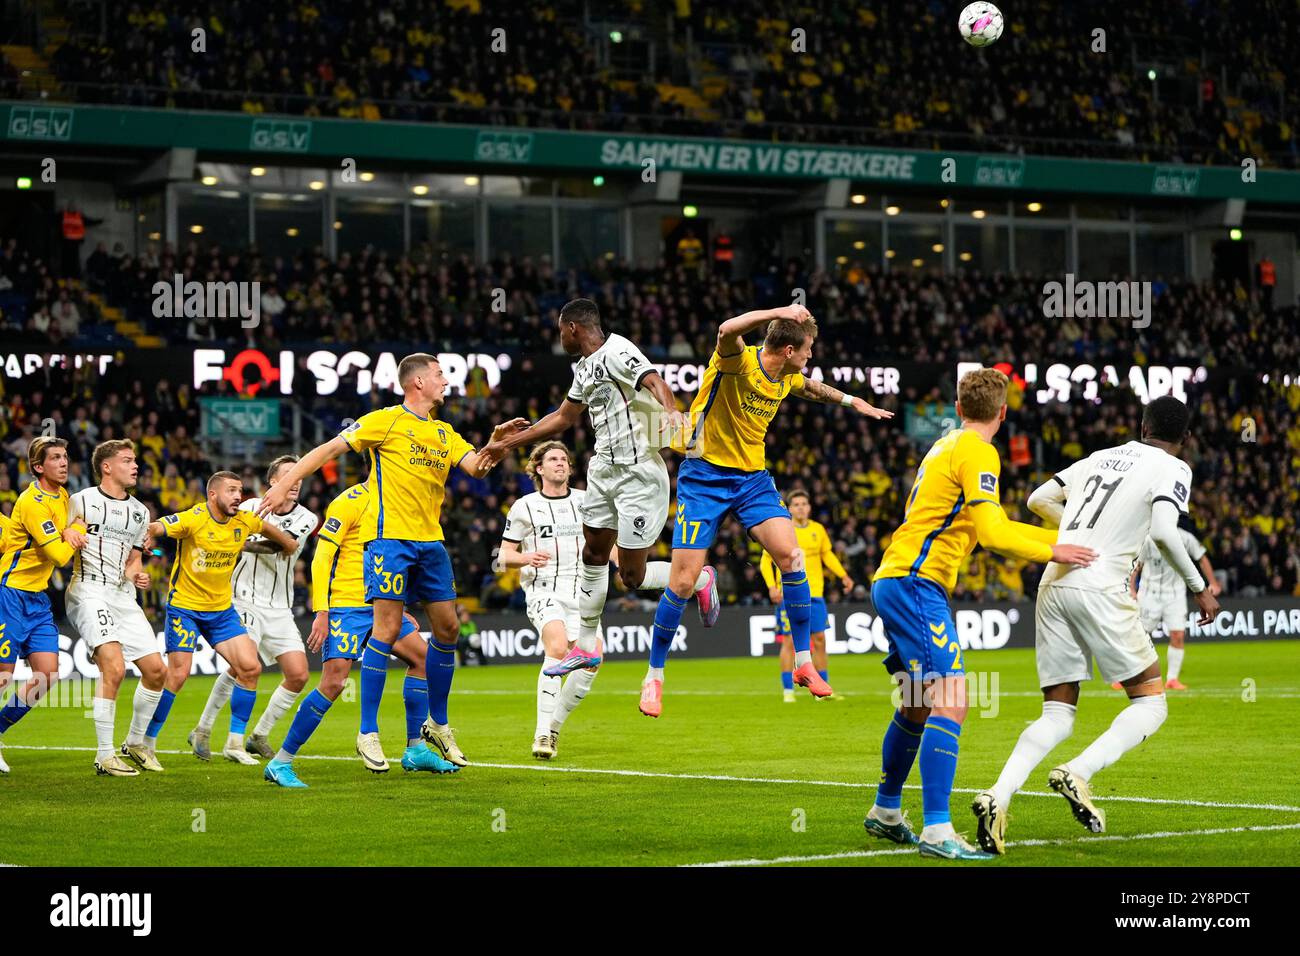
<point>262,586</point>
<point>101,601</point>
<point>538,522</point>
<point>627,480</point>
<point>1111,501</point>
<point>1162,593</point>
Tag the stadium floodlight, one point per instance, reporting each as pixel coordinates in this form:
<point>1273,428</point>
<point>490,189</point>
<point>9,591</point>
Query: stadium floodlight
<point>615,36</point>
<point>257,171</point>
<point>1151,75</point>
<point>367,177</point>
<point>420,190</point>
<point>1234,235</point>
<point>892,210</point>
<point>24,182</point>
<point>598,180</point>
<point>196,229</point>
<point>1035,207</point>
<point>858,199</point>
<point>316,184</point>
<point>978,214</point>
<point>690,212</point>
<point>209,180</point>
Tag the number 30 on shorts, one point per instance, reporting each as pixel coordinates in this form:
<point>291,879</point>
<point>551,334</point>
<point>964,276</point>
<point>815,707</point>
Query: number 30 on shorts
<point>393,583</point>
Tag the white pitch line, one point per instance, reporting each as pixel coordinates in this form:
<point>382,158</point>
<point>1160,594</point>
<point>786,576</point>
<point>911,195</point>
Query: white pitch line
<point>727,778</point>
<point>861,854</point>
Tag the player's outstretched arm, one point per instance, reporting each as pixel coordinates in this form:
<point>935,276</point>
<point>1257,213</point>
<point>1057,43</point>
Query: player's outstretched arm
<point>309,464</point>
<point>1048,502</point>
<point>548,426</point>
<point>1016,539</point>
<point>731,333</point>
<point>829,395</point>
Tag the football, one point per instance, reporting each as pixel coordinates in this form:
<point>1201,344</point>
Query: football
<point>980,24</point>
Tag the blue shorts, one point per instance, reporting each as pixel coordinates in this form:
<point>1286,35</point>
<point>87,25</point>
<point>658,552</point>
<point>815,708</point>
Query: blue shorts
<point>185,627</point>
<point>410,571</point>
<point>26,625</point>
<point>816,625</point>
<point>706,493</point>
<point>919,625</point>
<point>350,629</point>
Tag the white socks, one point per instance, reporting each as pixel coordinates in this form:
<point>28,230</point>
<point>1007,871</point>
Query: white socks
<point>1035,743</point>
<point>104,710</point>
<point>143,705</point>
<point>282,700</point>
<point>592,590</point>
<point>222,688</point>
<point>657,574</point>
<point>1174,662</point>
<point>801,658</point>
<point>938,832</point>
<point>654,673</point>
<point>576,686</point>
<point>1132,725</point>
<point>548,692</point>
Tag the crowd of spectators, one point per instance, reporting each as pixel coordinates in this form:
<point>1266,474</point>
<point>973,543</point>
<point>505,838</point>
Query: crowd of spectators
<point>888,73</point>
<point>1244,452</point>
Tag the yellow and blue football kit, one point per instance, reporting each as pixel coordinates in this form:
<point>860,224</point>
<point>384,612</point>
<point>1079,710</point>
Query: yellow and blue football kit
<point>33,547</point>
<point>725,466</point>
<point>410,460</point>
<point>954,503</point>
<point>199,600</point>
<point>337,578</point>
<point>815,543</point>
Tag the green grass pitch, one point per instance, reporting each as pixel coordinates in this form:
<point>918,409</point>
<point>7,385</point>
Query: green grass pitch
<point>1211,788</point>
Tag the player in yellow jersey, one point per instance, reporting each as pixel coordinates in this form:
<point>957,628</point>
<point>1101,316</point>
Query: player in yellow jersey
<point>954,503</point>
<point>341,631</point>
<point>815,543</point>
<point>725,473</point>
<point>209,538</point>
<point>411,455</point>
<point>36,541</point>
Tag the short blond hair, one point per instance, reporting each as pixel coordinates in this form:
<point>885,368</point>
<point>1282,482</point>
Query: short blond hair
<point>982,393</point>
<point>531,469</point>
<point>39,448</point>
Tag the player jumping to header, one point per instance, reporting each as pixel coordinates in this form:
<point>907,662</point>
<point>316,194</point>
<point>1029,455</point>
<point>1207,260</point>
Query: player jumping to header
<point>954,503</point>
<point>411,457</point>
<point>631,409</point>
<point>725,473</point>
<point>1109,501</point>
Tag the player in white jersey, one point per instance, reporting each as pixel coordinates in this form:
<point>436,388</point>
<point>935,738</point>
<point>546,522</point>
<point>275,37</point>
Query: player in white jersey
<point>1108,502</point>
<point>543,537</point>
<point>1162,596</point>
<point>263,598</point>
<point>633,413</point>
<point>102,606</point>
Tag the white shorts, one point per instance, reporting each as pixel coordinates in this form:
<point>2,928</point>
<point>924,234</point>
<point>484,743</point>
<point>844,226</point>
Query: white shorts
<point>104,615</point>
<point>546,606</point>
<point>1073,626</point>
<point>631,498</point>
<point>1165,613</point>
<point>273,630</point>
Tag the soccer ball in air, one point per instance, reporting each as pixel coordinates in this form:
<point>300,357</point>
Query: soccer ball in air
<point>980,24</point>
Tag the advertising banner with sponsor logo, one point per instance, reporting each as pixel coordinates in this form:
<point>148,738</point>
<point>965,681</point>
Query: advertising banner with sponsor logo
<point>508,638</point>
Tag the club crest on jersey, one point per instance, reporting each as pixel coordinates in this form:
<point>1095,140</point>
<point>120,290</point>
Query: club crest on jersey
<point>442,435</point>
<point>136,517</point>
<point>239,533</point>
<point>988,481</point>
<point>598,372</point>
<point>1180,491</point>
